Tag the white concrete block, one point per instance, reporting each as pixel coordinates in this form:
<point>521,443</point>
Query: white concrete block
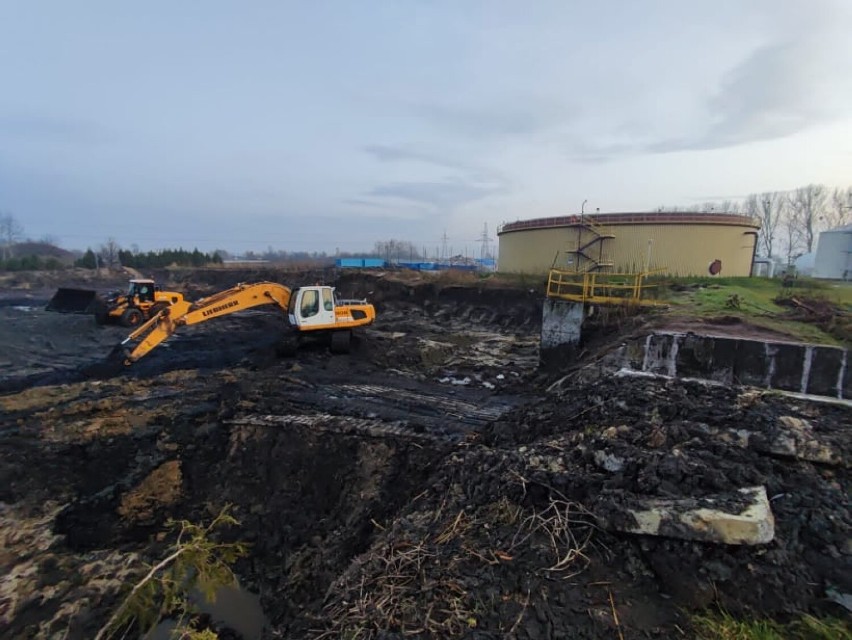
<point>743,517</point>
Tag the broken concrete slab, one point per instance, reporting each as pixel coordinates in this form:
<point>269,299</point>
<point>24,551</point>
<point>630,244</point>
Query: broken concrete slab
<point>796,438</point>
<point>790,438</point>
<point>743,517</point>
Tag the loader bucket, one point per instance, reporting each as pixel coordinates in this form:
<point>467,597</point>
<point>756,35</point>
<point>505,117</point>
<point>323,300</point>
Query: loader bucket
<point>74,301</point>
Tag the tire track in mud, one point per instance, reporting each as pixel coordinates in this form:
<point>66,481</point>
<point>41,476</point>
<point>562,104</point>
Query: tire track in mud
<point>381,411</point>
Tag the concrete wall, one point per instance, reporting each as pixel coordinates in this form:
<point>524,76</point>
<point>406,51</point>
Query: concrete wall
<point>685,249</point>
<point>561,324</point>
<point>813,369</point>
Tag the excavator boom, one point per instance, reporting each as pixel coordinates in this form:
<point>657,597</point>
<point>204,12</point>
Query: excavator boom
<point>165,323</point>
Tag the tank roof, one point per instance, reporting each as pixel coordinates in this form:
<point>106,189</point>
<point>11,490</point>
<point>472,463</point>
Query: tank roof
<point>847,228</point>
<point>652,217</point>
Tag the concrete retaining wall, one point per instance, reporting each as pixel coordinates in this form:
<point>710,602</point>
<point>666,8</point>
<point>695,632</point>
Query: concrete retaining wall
<point>803,368</point>
<point>560,323</point>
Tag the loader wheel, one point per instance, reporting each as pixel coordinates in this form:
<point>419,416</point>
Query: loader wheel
<point>341,341</point>
<point>131,318</point>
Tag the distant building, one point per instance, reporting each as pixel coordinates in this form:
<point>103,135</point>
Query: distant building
<point>763,267</point>
<point>834,254</point>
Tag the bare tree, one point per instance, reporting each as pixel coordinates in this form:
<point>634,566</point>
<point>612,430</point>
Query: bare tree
<point>808,208</point>
<point>840,211</point>
<point>768,208</point>
<point>792,235</point>
<point>728,206</point>
<point>392,250</point>
<point>711,206</point>
<point>109,254</point>
<point>11,232</point>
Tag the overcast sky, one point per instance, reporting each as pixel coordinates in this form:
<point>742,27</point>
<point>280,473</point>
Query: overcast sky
<point>323,125</point>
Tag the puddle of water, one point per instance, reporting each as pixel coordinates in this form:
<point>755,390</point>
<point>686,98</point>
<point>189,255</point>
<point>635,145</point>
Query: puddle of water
<point>233,607</point>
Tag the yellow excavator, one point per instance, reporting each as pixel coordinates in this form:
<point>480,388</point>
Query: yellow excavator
<point>313,310</point>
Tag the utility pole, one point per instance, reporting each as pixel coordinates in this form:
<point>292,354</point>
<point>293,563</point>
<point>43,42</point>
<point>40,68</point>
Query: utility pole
<point>484,252</point>
<point>444,239</point>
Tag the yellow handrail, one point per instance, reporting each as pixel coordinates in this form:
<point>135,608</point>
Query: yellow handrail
<point>600,288</point>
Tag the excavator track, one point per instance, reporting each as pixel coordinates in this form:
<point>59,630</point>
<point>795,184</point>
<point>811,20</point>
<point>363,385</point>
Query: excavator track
<point>423,404</point>
<point>345,425</point>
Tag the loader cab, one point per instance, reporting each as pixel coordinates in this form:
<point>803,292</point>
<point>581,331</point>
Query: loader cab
<point>311,307</point>
<point>141,289</point>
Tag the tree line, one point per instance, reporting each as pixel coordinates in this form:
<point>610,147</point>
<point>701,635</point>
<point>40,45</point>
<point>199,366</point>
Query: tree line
<point>386,249</point>
<point>30,263</point>
<point>44,254</point>
<point>790,221</point>
<point>112,256</point>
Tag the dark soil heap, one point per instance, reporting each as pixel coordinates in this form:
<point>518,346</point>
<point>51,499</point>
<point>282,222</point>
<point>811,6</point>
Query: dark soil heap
<point>433,484</point>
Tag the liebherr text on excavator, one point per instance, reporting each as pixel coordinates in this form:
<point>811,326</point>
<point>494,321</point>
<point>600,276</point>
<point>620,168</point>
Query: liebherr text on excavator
<point>310,310</point>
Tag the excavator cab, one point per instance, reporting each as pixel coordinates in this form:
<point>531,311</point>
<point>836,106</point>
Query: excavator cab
<point>142,290</point>
<point>312,308</point>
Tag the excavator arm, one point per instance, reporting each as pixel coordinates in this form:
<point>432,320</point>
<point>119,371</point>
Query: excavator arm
<point>169,320</point>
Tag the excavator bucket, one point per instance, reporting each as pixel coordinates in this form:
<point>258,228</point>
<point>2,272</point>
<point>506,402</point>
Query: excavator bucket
<point>74,301</point>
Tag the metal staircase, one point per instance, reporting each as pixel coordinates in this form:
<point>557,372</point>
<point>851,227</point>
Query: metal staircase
<point>583,271</point>
<point>590,254</point>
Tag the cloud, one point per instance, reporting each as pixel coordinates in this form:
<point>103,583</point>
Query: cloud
<point>407,153</point>
<point>411,154</point>
<point>44,127</point>
<point>386,209</point>
<point>471,182</point>
<point>445,195</point>
<point>496,120</point>
<point>777,90</point>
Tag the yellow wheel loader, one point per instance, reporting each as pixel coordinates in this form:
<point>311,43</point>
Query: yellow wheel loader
<point>142,301</point>
<point>310,311</point>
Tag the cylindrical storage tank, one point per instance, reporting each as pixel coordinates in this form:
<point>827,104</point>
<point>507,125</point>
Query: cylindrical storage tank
<point>834,254</point>
<point>679,243</point>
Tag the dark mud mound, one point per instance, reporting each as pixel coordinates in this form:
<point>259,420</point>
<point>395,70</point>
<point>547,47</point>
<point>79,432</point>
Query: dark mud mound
<point>507,540</point>
<point>250,338</point>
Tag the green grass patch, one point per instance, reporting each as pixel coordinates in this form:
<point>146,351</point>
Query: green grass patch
<point>723,626</point>
<point>754,301</point>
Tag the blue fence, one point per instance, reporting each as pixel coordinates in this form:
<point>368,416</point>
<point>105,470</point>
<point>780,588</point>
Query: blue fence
<point>487,264</point>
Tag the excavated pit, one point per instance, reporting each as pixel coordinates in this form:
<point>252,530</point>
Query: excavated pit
<point>433,484</point>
